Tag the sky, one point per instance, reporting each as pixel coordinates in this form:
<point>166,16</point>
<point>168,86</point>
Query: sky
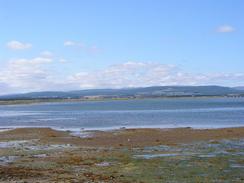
<point>80,44</point>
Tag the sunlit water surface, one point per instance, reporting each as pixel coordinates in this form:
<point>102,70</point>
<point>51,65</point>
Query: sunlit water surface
<point>164,113</point>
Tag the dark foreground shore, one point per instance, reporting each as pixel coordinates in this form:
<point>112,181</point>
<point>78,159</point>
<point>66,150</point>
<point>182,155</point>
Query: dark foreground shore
<point>126,155</point>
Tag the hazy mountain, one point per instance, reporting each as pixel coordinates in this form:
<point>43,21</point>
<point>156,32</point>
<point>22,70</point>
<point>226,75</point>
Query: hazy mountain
<point>239,88</point>
<point>156,91</point>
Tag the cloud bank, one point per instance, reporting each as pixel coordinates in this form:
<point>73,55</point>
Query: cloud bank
<point>138,74</point>
<point>24,75</point>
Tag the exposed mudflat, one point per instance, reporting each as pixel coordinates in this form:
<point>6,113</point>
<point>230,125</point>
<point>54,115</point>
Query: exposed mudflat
<point>126,155</point>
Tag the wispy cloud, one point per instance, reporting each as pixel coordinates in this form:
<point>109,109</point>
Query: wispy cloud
<point>225,29</point>
<point>63,61</point>
<point>16,45</point>
<point>69,43</point>
<point>34,61</point>
<point>79,45</point>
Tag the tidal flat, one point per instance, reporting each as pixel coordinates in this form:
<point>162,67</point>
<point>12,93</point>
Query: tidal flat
<point>122,156</point>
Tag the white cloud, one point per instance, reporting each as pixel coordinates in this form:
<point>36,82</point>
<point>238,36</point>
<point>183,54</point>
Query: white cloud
<point>16,45</point>
<point>138,74</point>
<point>47,54</point>
<point>69,43</point>
<point>34,61</point>
<point>225,29</point>
<point>24,75</point>
<point>88,49</point>
<point>73,43</point>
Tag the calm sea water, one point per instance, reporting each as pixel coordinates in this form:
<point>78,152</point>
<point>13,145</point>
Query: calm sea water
<point>184,112</point>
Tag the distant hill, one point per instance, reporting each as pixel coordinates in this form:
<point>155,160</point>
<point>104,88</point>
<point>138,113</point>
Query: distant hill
<point>239,88</point>
<point>146,92</point>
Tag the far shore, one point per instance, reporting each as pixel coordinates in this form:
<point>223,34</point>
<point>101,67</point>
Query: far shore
<point>60,100</point>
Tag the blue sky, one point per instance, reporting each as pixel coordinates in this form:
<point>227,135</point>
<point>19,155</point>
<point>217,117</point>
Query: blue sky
<point>74,44</point>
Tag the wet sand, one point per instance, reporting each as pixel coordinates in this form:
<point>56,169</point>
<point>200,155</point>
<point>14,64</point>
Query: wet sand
<point>178,155</point>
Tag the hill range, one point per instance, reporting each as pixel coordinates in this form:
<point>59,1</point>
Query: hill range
<point>143,92</point>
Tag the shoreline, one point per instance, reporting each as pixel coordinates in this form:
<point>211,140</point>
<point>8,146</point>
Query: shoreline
<point>4,102</point>
<point>113,128</point>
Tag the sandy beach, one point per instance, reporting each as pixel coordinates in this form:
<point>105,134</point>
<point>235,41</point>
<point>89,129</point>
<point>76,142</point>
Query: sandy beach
<point>124,155</point>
